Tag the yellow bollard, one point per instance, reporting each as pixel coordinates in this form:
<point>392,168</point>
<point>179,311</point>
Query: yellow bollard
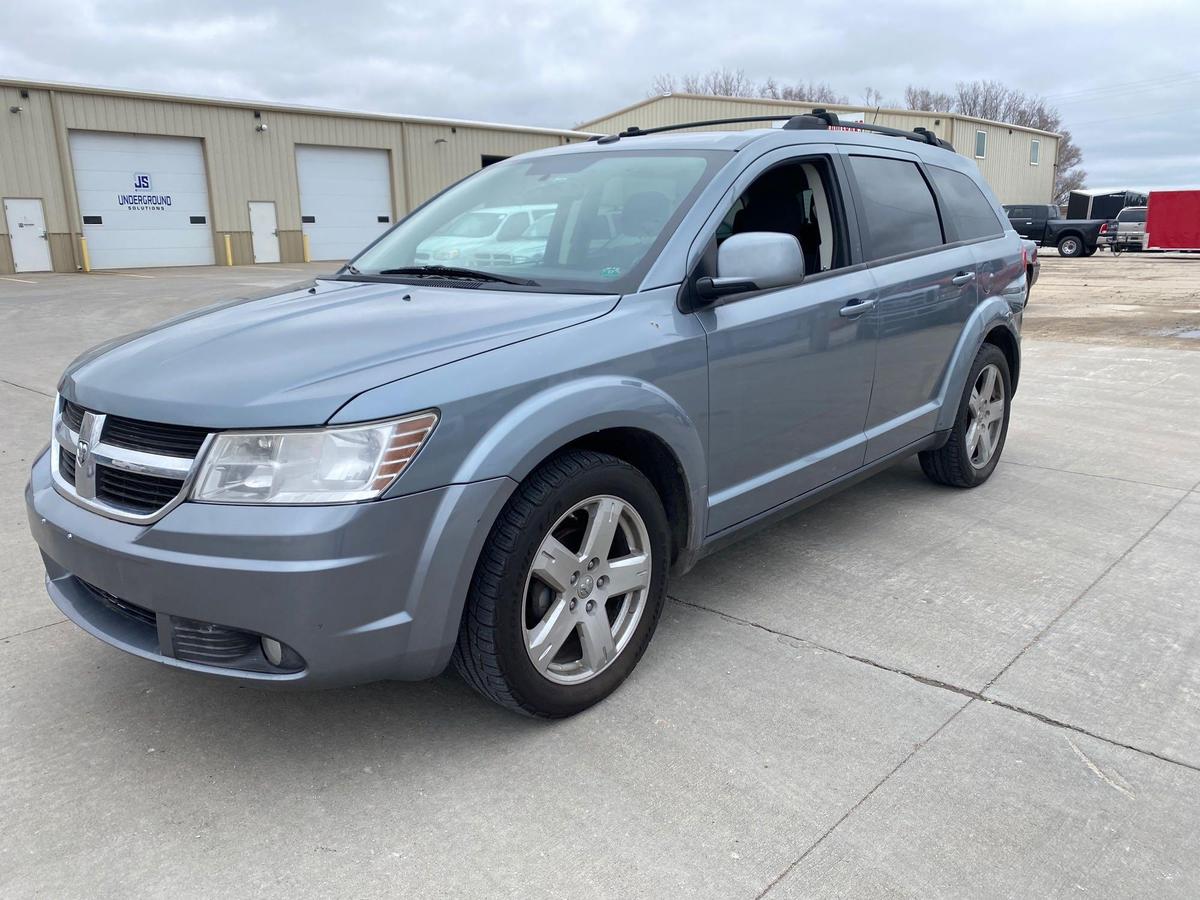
<point>228,251</point>
<point>307,250</point>
<point>83,254</point>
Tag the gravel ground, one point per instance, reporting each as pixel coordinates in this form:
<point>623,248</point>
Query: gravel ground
<point>1138,299</point>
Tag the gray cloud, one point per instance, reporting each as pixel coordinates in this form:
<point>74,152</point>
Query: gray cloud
<point>565,62</point>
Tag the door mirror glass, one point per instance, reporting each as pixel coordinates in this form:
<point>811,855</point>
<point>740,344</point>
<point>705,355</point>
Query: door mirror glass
<point>754,261</point>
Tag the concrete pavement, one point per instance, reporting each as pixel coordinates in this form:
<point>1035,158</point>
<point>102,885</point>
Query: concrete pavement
<point>904,691</point>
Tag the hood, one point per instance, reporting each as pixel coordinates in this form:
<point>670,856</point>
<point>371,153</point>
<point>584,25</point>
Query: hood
<point>294,358</point>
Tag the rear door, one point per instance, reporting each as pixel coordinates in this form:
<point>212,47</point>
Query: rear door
<point>1024,220</point>
<point>926,290</point>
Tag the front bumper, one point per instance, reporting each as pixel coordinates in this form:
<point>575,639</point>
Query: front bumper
<point>361,592</point>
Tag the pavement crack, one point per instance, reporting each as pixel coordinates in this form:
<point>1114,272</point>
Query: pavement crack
<point>1098,772</point>
<point>1066,609</point>
<point>1023,465</point>
<point>945,685</point>
<point>22,387</point>
<point>8,637</point>
<point>861,800</point>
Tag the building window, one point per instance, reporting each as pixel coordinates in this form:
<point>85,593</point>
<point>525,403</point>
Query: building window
<point>1035,152</point>
<point>981,145</point>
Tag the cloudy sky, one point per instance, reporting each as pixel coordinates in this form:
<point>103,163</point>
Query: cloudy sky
<point>1127,79</point>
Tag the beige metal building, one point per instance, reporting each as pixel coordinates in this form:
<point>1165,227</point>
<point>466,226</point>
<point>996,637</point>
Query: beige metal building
<point>1017,162</point>
<point>99,178</point>
<point>148,179</point>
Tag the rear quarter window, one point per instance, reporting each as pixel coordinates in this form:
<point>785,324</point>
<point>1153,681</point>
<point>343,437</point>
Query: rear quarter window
<point>897,205</point>
<point>967,209</point>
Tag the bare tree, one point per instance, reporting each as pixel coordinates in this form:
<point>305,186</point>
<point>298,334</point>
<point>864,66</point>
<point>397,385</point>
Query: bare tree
<point>735,83</point>
<point>814,91</point>
<point>995,101</point>
<point>927,100</point>
<point>873,97</point>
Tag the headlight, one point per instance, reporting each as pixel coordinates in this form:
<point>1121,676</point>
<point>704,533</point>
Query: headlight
<point>342,464</point>
<point>451,253</point>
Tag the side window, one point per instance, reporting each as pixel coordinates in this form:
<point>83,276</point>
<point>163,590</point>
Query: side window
<point>1020,212</point>
<point>965,205</point>
<point>1035,152</point>
<point>900,215</point>
<point>981,145</point>
<point>796,198</point>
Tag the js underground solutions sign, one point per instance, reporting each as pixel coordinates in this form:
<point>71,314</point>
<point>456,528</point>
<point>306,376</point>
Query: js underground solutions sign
<point>142,200</point>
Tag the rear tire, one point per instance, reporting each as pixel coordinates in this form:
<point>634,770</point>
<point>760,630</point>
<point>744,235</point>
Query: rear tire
<point>1091,251</point>
<point>970,455</point>
<point>1070,245</point>
<point>545,632</point>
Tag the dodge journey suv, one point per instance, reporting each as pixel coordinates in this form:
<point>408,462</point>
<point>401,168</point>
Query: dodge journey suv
<point>405,465</point>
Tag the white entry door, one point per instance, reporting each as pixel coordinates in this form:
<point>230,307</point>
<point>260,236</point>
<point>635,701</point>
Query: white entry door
<point>27,230</point>
<point>264,231</point>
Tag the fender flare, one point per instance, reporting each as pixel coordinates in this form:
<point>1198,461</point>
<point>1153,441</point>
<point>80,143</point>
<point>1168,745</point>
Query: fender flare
<point>549,420</point>
<point>991,313</point>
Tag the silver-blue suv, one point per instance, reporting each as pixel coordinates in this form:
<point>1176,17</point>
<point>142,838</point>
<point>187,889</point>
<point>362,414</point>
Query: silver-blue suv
<point>495,456</point>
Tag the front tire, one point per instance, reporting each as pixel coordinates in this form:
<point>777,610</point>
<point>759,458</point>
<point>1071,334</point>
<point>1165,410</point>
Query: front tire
<point>568,589</point>
<point>970,455</point>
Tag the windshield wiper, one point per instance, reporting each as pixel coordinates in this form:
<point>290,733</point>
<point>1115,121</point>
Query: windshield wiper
<point>455,272</point>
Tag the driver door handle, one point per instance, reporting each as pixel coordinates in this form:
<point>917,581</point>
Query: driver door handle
<point>963,278</point>
<point>856,308</point>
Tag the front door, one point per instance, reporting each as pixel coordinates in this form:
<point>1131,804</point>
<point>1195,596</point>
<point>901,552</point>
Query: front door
<point>790,369</point>
<point>27,231</point>
<point>264,233</point>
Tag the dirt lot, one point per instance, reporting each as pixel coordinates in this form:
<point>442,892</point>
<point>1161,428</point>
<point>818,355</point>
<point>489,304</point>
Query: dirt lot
<point>1135,299</point>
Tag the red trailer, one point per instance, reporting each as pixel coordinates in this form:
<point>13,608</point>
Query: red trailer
<point>1173,220</point>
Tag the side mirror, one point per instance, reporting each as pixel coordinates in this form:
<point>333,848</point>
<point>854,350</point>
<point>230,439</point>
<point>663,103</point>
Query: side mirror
<point>754,261</point>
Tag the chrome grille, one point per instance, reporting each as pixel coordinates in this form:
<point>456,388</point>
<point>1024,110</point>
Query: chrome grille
<point>123,468</point>
<point>151,437</point>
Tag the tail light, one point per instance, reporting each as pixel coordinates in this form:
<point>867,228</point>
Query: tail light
<point>1104,228</point>
<point>1024,257</point>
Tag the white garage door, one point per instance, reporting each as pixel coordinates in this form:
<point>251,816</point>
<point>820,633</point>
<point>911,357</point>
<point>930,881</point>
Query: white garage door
<point>345,198</point>
<point>143,198</point>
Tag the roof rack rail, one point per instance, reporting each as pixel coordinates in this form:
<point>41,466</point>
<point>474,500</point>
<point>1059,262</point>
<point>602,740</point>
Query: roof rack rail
<point>817,119</point>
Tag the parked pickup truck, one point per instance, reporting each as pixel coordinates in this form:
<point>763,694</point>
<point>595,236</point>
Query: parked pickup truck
<point>1127,231</point>
<point>1043,223</point>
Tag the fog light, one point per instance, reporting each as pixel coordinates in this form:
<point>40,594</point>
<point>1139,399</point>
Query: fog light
<point>272,650</point>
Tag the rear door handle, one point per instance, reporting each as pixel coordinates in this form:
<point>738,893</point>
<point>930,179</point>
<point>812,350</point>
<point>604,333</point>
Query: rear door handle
<point>856,308</point>
<point>963,278</point>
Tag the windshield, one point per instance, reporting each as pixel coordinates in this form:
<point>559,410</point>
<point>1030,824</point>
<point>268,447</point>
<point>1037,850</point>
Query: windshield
<point>472,225</point>
<point>589,221</point>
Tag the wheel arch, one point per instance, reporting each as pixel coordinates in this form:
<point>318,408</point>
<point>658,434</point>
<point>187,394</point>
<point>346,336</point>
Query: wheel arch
<point>1004,338</point>
<point>991,323</point>
<point>629,418</point>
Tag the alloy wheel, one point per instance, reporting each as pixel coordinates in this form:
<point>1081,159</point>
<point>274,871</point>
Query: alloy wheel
<point>586,589</point>
<point>985,416</point>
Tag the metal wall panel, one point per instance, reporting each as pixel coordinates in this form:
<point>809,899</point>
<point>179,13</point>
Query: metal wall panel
<point>245,161</point>
<point>441,155</point>
<point>1006,167</point>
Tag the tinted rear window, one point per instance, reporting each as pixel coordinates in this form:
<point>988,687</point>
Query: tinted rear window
<point>965,206</point>
<point>1132,215</point>
<point>898,207</point>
